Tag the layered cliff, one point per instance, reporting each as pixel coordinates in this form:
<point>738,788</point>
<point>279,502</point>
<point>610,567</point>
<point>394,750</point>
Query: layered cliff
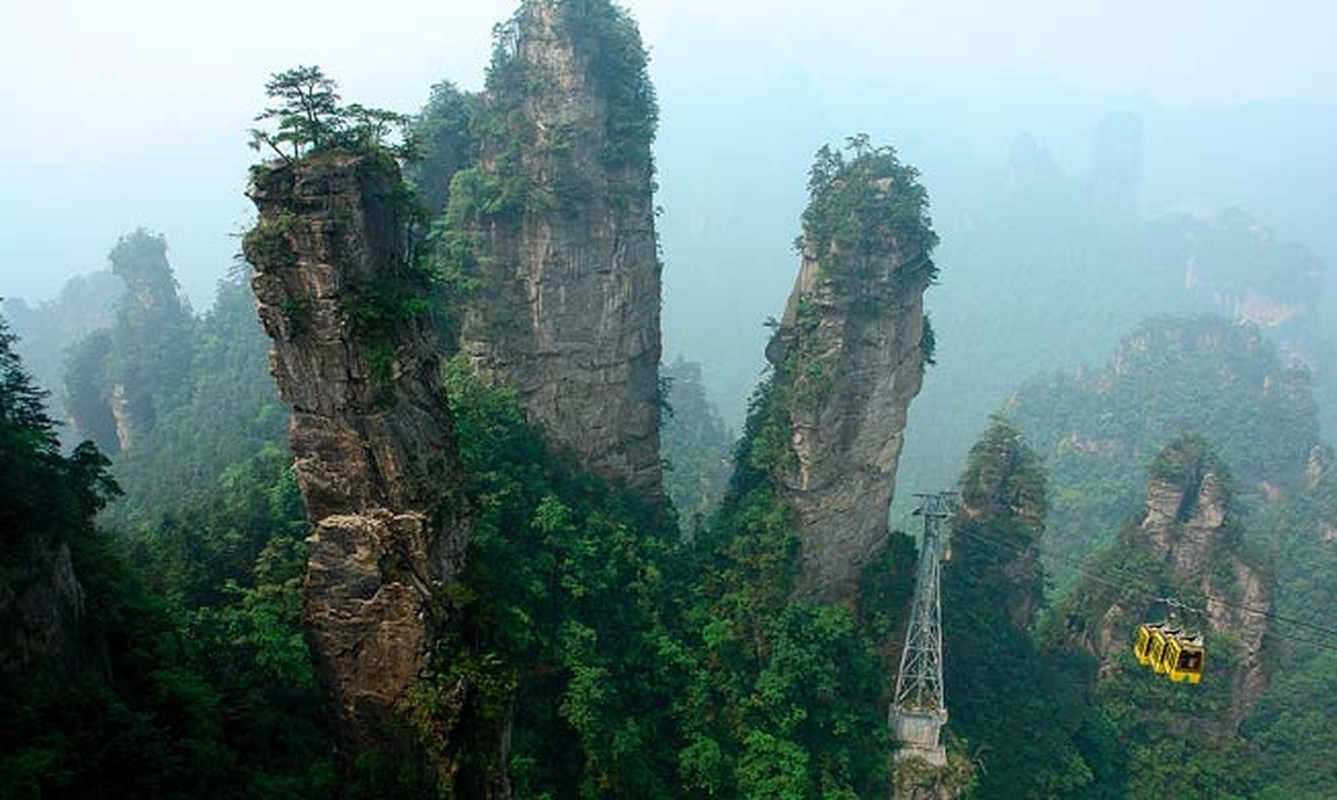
<point>375,455</point>
<point>562,254</point>
<point>849,355</point>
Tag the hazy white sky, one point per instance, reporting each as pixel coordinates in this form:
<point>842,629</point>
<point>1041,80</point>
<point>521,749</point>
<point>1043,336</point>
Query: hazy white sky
<point>120,114</point>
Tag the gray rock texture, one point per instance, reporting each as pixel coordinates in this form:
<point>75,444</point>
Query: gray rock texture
<point>374,448</point>
<point>851,362</point>
<point>1187,524</point>
<point>567,306</point>
<point>1190,527</point>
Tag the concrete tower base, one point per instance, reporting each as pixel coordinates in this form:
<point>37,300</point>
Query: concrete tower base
<point>917,733</point>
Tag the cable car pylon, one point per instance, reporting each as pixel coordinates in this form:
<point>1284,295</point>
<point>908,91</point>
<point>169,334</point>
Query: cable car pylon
<point>918,711</point>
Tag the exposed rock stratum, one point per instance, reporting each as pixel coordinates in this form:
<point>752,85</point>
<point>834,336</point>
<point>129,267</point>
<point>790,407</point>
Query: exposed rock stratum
<point>374,448</point>
<point>567,306</point>
<point>849,357</point>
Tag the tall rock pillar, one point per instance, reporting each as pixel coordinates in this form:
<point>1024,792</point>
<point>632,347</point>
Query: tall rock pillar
<point>849,356</point>
<point>566,305</point>
<point>375,455</point>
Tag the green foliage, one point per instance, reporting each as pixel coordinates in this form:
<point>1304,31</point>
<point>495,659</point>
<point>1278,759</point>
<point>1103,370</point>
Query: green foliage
<point>40,488</point>
<point>447,144</point>
<point>120,381</point>
<point>1000,678</point>
<point>864,205</point>
<point>1292,728</point>
<point>1146,736</point>
<point>565,599</point>
<point>866,226</point>
<point>382,311</point>
<point>267,242</point>
<point>305,115</point>
<point>478,199</point>
<point>630,666</point>
<point>618,63</point>
<point>1098,430</point>
<point>928,343</point>
<point>195,680</point>
<point>152,338</point>
<point>1129,734</point>
<point>539,165</point>
<point>1186,460</point>
<point>1161,729</point>
<point>695,444</point>
<point>309,119</point>
<point>764,453</point>
<point>48,330</point>
<point>88,387</point>
<point>605,38</point>
<point>786,698</point>
<point>226,411</point>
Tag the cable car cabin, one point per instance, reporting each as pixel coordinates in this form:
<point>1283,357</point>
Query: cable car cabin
<point>1183,658</point>
<point>1142,646</point>
<point>1160,640</point>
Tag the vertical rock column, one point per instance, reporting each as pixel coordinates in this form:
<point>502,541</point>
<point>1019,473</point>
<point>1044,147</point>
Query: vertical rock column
<point>849,358</point>
<point>1191,533</point>
<point>567,312</point>
<point>375,456</point>
<point>1189,525</point>
<point>847,435</point>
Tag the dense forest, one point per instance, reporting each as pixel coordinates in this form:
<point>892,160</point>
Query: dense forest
<point>616,593</point>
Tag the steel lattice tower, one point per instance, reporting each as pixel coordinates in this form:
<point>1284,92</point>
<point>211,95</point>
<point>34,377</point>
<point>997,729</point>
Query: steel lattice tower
<point>918,710</point>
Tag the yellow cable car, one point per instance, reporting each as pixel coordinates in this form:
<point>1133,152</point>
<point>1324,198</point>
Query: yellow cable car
<point>1142,647</point>
<point>1183,658</point>
<point>1160,639</point>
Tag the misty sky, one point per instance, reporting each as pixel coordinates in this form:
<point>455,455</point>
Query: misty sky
<point>133,113</point>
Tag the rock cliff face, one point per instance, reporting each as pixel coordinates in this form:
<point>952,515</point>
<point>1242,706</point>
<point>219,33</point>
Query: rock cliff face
<point>567,306</point>
<point>41,603</point>
<point>375,455</point>
<point>1188,526</point>
<point>1190,532</point>
<point>849,356</point>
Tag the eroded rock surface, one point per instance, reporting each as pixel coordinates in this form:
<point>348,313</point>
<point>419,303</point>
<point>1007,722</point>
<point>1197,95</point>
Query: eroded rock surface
<point>1188,525</point>
<point>375,455</point>
<point>567,307</point>
<point>1191,532</point>
<point>849,357</point>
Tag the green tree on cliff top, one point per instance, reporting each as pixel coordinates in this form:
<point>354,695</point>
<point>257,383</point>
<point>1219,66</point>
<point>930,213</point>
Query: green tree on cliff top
<point>310,119</point>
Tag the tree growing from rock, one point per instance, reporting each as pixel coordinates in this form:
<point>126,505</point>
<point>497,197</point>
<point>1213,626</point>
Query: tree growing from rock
<point>308,118</point>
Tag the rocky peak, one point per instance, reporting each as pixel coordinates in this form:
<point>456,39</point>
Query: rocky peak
<point>1003,499</point>
<point>1193,538</point>
<point>128,374</point>
<point>374,448</point>
<point>849,356</point>
<point>1190,526</point>
<point>566,309</point>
